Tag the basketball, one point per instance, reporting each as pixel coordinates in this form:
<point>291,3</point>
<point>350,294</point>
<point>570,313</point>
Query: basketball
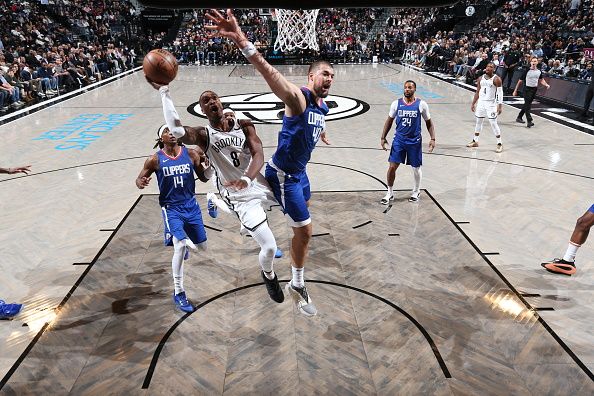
<point>160,66</point>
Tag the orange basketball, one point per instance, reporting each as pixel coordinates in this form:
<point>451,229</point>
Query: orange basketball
<point>160,66</point>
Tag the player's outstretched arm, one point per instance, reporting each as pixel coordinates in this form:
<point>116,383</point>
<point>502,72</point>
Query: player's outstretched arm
<point>288,92</point>
<point>169,112</point>
<point>19,169</point>
<point>188,135</point>
<point>150,166</point>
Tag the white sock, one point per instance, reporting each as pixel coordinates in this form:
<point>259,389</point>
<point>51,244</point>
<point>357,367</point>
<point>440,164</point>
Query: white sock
<point>572,249</point>
<point>418,175</point>
<point>390,191</point>
<point>177,262</point>
<point>263,235</point>
<point>297,280</point>
<point>499,140</point>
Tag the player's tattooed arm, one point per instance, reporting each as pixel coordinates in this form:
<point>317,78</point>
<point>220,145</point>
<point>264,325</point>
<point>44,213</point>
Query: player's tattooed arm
<point>201,164</point>
<point>196,136</point>
<point>254,144</point>
<point>150,166</point>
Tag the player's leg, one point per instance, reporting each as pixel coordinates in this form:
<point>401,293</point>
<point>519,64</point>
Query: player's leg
<point>397,157</point>
<point>296,197</point>
<point>176,236</point>
<point>566,265</point>
<point>253,218</point>
<point>415,160</point>
<point>480,114</point>
<point>492,117</point>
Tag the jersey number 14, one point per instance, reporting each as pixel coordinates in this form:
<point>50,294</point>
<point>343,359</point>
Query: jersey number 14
<point>178,181</point>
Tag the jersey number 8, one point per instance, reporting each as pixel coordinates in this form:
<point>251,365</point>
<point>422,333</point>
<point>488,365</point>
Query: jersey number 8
<point>235,159</point>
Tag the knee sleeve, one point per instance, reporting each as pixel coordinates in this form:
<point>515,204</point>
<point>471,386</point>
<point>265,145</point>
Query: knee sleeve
<point>263,235</point>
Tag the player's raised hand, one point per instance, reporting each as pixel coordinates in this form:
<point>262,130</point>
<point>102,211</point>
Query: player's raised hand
<point>142,182</point>
<point>225,25</point>
<point>324,138</point>
<point>154,84</point>
<point>383,143</point>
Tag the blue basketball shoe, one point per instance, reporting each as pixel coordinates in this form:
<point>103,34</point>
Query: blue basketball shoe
<point>211,205</point>
<point>181,302</point>
<point>9,311</point>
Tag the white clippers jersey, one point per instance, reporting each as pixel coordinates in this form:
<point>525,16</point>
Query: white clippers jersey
<point>487,89</point>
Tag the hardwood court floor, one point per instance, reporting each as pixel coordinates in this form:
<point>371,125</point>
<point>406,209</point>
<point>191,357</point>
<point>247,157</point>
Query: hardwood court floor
<point>396,315</point>
<point>521,204</point>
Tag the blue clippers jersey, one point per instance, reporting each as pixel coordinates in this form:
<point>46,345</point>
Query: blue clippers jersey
<point>176,178</point>
<point>408,121</point>
<point>299,136</point>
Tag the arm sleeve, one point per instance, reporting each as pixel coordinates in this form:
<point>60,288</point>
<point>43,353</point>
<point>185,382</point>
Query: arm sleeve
<point>499,95</point>
<point>393,108</point>
<point>424,109</point>
<point>170,114</point>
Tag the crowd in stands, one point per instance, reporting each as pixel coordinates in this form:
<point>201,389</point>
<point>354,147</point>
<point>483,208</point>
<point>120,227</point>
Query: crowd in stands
<point>554,31</point>
<point>194,46</point>
<point>49,49</point>
<point>341,34</point>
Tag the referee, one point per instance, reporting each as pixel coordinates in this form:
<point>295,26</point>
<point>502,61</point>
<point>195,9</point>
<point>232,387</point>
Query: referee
<point>532,77</point>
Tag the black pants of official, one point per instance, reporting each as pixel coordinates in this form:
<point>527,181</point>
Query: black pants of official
<point>529,94</point>
<point>589,96</point>
<point>509,73</point>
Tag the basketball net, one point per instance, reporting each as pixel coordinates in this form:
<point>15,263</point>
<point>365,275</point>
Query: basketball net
<point>296,29</point>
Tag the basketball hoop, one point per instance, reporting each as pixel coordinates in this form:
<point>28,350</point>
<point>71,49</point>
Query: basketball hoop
<point>296,29</point>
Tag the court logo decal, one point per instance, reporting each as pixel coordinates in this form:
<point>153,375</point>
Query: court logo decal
<point>267,108</point>
<point>79,132</point>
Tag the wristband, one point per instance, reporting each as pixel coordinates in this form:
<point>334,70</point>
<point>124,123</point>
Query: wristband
<point>247,180</point>
<point>249,50</point>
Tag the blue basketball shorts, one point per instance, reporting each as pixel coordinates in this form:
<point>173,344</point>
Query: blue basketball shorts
<point>591,209</point>
<point>406,153</point>
<point>183,221</point>
<point>292,191</point>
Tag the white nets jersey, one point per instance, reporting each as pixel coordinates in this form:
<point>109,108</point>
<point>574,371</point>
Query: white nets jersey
<point>487,89</point>
<point>230,157</point>
<point>228,153</point>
